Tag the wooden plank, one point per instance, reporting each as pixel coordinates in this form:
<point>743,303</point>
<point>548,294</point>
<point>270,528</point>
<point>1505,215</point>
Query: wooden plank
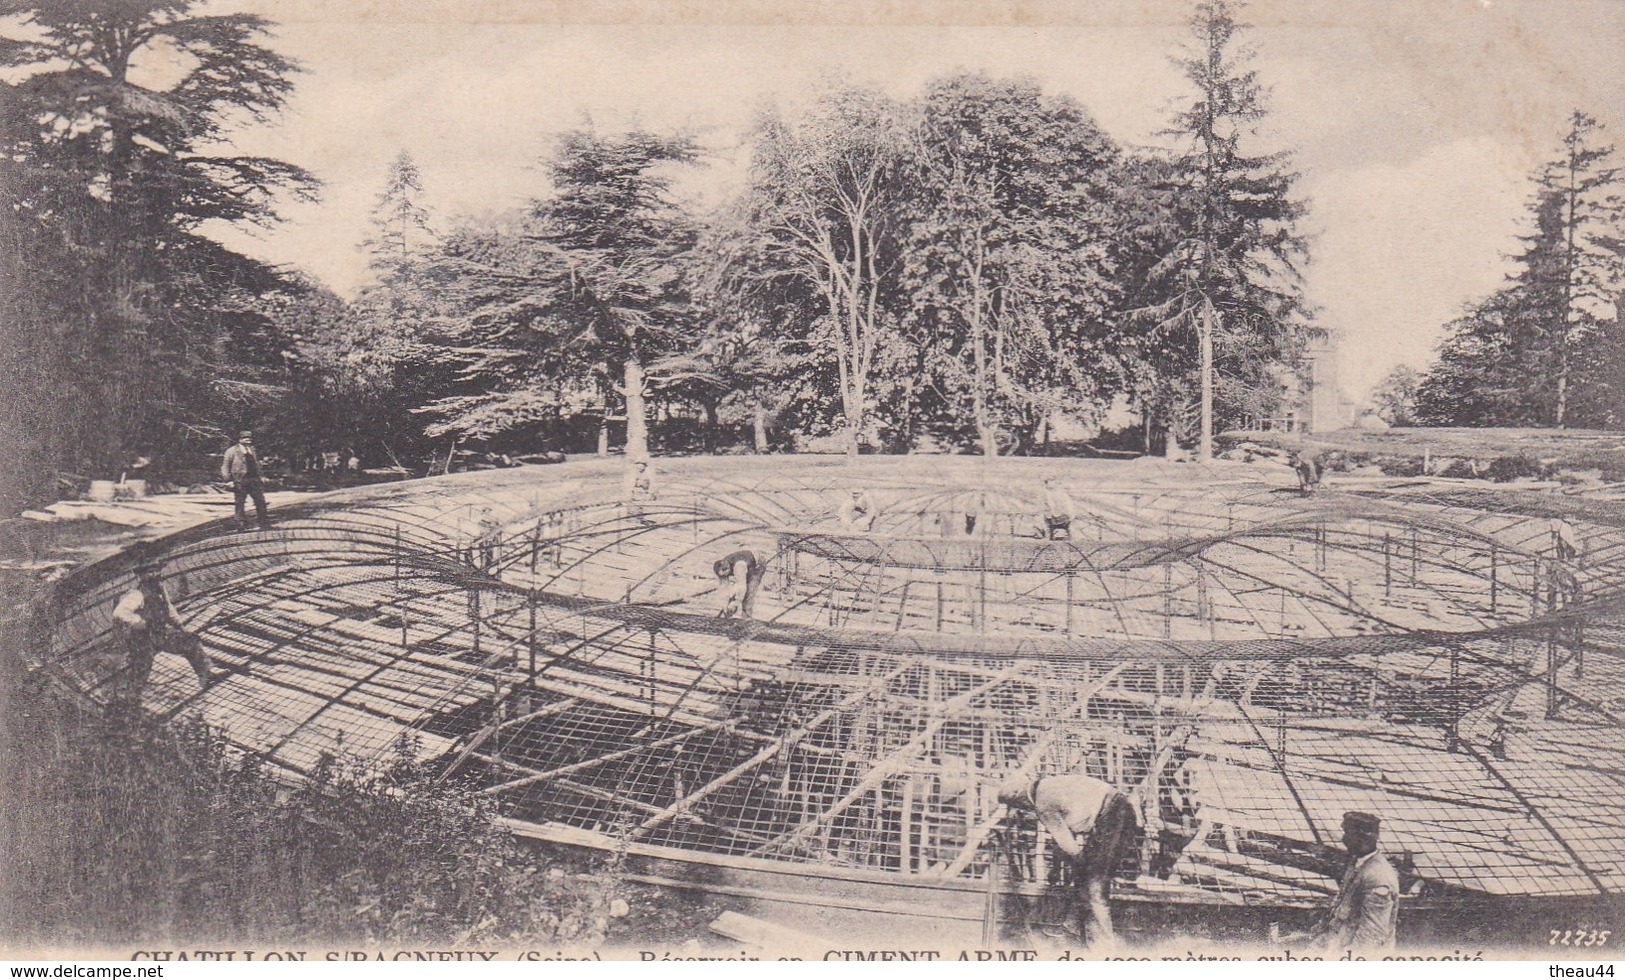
<point>763,934</point>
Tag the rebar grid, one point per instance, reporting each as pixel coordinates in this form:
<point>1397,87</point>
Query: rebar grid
<point>1244,662</point>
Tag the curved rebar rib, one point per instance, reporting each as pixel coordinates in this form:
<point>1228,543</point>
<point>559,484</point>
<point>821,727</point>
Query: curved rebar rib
<point>1196,646</point>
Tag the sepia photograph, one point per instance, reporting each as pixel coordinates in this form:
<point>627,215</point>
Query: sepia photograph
<point>536,480</point>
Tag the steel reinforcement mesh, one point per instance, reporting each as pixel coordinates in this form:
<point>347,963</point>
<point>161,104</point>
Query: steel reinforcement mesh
<point>1243,662</point>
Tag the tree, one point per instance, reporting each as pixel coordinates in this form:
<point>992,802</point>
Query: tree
<point>1578,259</point>
<point>1481,376</point>
<point>401,228</point>
<point>371,363</point>
<point>588,285</point>
<point>1004,251</point>
<point>1526,354</point>
<point>1394,397</point>
<point>1599,380</point>
<point>822,202</point>
<point>1225,278</point>
<point>114,118</point>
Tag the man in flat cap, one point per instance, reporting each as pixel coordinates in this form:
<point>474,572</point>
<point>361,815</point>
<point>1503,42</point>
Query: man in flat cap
<point>1093,824</point>
<point>1366,910</point>
<point>147,623</point>
<point>242,467</point>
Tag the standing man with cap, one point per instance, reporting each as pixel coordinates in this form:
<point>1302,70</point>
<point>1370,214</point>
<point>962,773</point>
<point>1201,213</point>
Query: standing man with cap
<point>1366,911</point>
<point>242,468</point>
<point>1093,824</point>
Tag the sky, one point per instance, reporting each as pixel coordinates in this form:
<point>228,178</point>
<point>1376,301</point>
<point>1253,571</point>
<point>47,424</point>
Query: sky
<point>1415,124</point>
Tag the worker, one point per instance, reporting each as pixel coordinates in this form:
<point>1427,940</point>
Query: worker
<point>639,489</point>
<point>1093,824</point>
<point>1565,540</point>
<point>975,508</point>
<point>147,623</point>
<point>739,575</point>
<point>242,468</point>
<point>1307,465</point>
<point>487,537</point>
<point>1058,512</point>
<point>858,512</point>
<point>1366,910</point>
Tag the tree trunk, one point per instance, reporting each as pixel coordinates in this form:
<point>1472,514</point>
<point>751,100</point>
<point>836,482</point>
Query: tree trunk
<point>1204,452</point>
<point>637,425</point>
<point>759,428</point>
<point>713,427</point>
<point>988,435</point>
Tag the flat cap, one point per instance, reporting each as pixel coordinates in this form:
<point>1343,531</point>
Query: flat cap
<point>245,434</point>
<point>1363,821</point>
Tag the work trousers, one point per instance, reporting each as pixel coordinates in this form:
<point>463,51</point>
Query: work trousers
<point>242,490</point>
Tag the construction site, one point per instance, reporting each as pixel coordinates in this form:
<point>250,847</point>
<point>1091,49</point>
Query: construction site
<point>1244,661</point>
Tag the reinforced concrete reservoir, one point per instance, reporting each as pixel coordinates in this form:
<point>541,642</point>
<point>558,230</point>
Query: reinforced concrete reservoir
<point>1244,662</point>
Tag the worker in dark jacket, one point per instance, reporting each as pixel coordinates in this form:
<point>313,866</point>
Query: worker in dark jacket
<point>739,575</point>
<point>242,467</point>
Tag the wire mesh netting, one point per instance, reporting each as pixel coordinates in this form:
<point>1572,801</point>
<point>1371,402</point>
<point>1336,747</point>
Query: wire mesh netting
<point>1243,662</point>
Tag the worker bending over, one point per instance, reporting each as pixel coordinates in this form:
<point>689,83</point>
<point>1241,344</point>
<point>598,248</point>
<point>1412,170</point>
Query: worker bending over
<point>1093,824</point>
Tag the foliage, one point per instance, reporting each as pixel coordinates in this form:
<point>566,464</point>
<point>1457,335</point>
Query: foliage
<point>587,285</point>
<point>1004,254</point>
<point>1578,261</point>
<point>1394,398</point>
<point>1480,377</point>
<point>822,209</point>
<point>125,834</point>
<point>1530,353</point>
<point>1214,237</point>
<point>113,119</point>
<point>1599,377</point>
<point>401,223</point>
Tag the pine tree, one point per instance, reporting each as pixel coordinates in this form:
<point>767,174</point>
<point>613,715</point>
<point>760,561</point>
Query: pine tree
<point>400,222</point>
<point>1578,260</point>
<point>589,285</point>
<point>1528,354</point>
<point>114,172</point>
<point>1223,299</point>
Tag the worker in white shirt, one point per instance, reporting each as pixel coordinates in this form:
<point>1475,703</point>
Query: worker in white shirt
<point>147,623</point>
<point>1093,824</point>
<point>858,512</point>
<point>639,490</point>
<point>1058,512</point>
